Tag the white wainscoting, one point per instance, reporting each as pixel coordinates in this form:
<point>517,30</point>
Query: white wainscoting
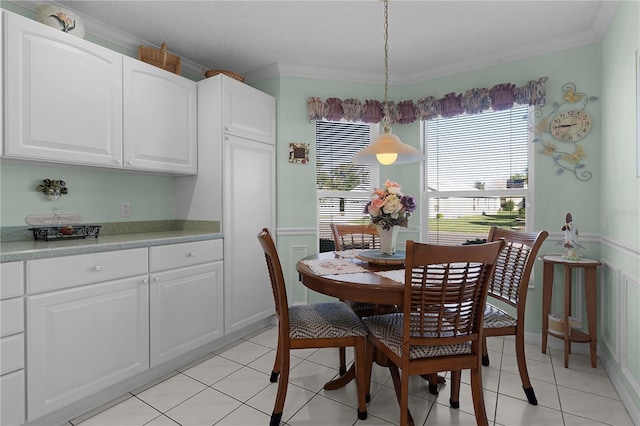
<point>610,277</point>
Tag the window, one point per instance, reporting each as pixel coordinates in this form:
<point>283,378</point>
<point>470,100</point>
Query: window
<point>476,174</point>
<point>343,188</point>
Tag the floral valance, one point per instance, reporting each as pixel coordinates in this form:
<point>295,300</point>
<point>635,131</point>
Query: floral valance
<point>500,97</point>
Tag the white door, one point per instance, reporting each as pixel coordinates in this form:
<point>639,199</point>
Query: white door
<point>84,339</point>
<point>186,310</point>
<point>160,132</point>
<point>63,96</point>
<point>248,112</point>
<point>249,206</point>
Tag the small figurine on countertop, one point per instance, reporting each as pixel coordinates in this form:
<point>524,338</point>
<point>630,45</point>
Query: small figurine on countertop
<point>570,241</point>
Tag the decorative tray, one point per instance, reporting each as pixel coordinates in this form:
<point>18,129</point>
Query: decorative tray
<point>65,232</point>
<point>376,257</point>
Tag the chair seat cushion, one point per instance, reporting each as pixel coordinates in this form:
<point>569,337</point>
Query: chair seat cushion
<point>388,329</point>
<point>324,320</point>
<point>497,318</point>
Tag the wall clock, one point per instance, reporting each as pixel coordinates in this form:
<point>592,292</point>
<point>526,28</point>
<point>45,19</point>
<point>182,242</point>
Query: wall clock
<point>570,126</point>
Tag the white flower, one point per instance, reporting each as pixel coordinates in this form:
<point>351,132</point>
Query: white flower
<point>392,206</point>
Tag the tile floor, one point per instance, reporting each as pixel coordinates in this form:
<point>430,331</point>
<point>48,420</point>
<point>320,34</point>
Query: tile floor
<point>231,387</point>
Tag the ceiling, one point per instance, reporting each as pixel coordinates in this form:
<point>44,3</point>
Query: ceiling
<point>345,39</point>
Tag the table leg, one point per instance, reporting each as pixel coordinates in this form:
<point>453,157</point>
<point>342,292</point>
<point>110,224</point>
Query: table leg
<point>342,380</point>
<point>590,299</point>
<point>547,287</point>
<point>567,312</point>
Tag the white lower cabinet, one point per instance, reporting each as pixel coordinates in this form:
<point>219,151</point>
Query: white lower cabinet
<point>12,399</point>
<point>95,320</point>
<point>87,326</point>
<point>82,340</point>
<point>186,298</point>
<point>12,392</point>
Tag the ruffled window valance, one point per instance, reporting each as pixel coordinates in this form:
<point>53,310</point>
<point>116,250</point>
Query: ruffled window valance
<point>500,97</point>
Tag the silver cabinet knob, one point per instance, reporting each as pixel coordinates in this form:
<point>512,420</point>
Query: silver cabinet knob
<point>156,279</point>
<point>97,268</point>
<point>145,281</point>
<point>191,254</point>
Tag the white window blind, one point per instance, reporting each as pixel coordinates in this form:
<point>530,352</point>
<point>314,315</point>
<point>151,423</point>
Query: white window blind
<point>476,174</point>
<point>343,187</point>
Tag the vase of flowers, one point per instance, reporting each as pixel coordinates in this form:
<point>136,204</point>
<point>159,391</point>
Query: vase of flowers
<point>389,209</point>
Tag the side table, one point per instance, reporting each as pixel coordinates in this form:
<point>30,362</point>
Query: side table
<point>570,334</point>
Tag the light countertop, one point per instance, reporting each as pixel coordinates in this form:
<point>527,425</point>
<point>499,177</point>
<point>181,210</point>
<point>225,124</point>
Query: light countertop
<point>27,250</point>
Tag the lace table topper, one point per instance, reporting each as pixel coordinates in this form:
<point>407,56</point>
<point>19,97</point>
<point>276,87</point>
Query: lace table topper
<point>347,254</point>
<point>333,266</point>
<point>395,275</point>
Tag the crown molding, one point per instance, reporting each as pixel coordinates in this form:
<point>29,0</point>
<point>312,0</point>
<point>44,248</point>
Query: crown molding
<point>591,35</point>
<point>112,35</point>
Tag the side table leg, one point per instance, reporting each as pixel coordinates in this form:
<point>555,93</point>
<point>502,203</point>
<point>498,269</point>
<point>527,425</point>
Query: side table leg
<point>590,296</point>
<point>547,287</point>
<point>567,312</point>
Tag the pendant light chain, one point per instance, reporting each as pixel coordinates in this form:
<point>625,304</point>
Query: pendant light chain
<point>386,120</point>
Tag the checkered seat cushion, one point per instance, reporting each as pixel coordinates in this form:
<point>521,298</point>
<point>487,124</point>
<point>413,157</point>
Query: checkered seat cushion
<point>324,320</point>
<point>388,329</point>
<point>497,318</point>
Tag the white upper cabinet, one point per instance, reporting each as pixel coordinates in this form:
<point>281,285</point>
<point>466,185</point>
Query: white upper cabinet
<point>72,101</point>
<point>63,96</point>
<point>247,112</point>
<point>159,120</point>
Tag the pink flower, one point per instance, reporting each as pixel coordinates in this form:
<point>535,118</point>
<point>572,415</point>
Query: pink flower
<point>393,187</point>
<point>379,192</point>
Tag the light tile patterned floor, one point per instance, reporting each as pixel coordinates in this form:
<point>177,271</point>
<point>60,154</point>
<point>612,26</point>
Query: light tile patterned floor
<point>231,387</point>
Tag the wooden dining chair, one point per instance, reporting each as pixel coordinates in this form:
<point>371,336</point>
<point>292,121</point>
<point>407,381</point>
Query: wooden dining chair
<point>319,325</point>
<point>440,327</point>
<point>509,285</point>
<point>349,237</point>
<point>355,237</point>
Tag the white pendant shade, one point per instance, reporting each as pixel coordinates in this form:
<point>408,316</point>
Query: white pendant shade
<point>387,149</point>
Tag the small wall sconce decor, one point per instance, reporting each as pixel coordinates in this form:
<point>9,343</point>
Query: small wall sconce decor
<point>52,189</point>
<point>299,153</point>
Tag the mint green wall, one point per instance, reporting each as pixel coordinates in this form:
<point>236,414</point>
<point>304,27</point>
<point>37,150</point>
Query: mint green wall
<point>555,195</point>
<point>94,193</point>
<point>620,217</point>
<point>620,205</point>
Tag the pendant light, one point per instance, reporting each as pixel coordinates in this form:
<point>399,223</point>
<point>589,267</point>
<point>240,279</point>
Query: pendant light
<point>387,148</point>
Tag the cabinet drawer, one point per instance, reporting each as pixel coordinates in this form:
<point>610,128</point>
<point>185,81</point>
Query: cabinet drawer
<point>12,398</point>
<point>62,272</point>
<point>11,353</point>
<point>11,277</point>
<point>185,254</point>
<point>12,316</point>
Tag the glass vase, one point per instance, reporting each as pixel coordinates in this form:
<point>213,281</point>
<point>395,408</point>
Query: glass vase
<point>388,239</point>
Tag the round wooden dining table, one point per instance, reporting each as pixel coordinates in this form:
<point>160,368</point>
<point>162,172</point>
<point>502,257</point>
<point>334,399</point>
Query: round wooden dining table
<point>365,287</point>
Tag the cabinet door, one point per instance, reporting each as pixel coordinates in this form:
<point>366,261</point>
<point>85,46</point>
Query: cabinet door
<point>63,96</point>
<point>12,399</point>
<point>160,132</point>
<point>84,339</point>
<point>186,310</point>
<point>249,206</point>
<point>248,112</point>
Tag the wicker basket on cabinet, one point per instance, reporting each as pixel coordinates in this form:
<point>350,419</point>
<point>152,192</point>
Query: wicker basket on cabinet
<point>160,58</point>
<point>214,72</point>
